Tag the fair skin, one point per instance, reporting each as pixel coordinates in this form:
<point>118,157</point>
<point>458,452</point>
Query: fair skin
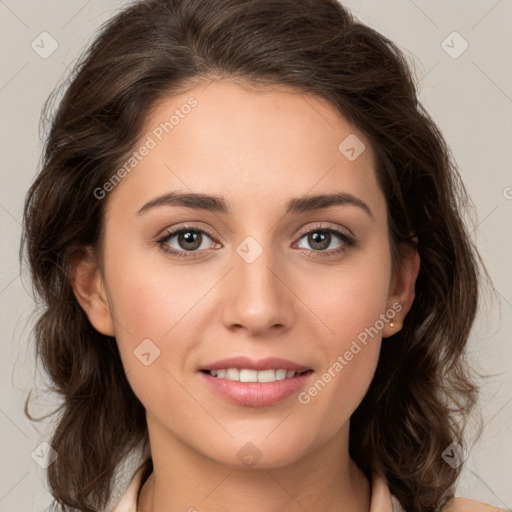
<point>258,149</point>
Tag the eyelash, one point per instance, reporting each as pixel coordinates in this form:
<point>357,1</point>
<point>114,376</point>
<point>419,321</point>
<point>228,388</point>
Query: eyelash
<point>348,241</point>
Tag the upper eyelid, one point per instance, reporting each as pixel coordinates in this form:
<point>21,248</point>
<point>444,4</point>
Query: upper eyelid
<point>319,226</point>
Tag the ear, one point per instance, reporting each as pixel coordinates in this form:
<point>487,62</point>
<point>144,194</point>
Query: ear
<point>89,289</point>
<point>401,289</point>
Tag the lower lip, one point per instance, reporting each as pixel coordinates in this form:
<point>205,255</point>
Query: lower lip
<point>255,394</point>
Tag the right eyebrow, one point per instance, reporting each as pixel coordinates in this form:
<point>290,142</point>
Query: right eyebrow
<point>190,200</point>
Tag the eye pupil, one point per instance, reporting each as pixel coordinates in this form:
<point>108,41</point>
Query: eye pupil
<point>320,238</point>
<point>189,237</point>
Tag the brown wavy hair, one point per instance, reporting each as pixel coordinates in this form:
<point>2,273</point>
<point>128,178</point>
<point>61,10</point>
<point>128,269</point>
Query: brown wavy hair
<point>423,389</point>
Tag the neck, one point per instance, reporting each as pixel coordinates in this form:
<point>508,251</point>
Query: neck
<point>183,479</point>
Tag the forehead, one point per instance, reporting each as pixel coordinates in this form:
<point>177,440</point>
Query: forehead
<point>249,142</point>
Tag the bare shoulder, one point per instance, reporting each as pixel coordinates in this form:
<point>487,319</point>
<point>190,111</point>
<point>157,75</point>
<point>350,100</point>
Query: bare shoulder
<point>467,505</point>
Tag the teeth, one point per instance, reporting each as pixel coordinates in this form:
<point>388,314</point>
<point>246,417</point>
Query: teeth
<point>245,375</point>
<point>281,374</point>
<point>232,374</point>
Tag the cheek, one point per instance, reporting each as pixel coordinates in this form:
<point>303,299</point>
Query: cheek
<point>340,386</point>
<point>351,301</point>
<point>155,313</point>
<point>151,298</point>
<point>347,298</point>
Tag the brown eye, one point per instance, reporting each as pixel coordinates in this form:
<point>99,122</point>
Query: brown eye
<point>320,239</point>
<point>189,240</point>
<point>186,239</point>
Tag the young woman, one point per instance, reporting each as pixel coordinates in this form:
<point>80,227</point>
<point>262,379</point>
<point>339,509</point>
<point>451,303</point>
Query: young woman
<point>247,235</point>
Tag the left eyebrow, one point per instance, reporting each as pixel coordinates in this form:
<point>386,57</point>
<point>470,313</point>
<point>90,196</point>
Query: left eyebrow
<point>312,203</point>
<point>219,204</point>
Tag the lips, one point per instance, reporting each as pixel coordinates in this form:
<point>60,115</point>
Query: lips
<point>251,393</point>
<point>268,363</point>
<point>255,394</point>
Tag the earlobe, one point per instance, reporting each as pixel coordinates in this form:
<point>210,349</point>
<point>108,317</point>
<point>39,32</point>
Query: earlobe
<point>89,289</point>
<point>402,289</point>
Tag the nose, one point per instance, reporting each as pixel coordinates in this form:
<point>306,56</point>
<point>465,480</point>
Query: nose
<point>256,297</point>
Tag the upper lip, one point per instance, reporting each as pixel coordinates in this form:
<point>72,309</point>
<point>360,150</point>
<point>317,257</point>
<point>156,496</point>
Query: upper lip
<point>268,363</point>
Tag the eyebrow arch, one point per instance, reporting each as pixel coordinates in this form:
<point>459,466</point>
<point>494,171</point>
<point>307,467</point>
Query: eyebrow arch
<point>219,204</point>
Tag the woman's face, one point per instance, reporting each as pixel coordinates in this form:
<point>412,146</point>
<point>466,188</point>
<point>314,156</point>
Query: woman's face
<point>259,273</point>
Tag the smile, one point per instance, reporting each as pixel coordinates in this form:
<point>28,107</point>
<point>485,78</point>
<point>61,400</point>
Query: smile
<point>247,375</point>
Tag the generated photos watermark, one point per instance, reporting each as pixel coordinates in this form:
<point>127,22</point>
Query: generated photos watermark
<point>151,142</point>
<point>305,397</point>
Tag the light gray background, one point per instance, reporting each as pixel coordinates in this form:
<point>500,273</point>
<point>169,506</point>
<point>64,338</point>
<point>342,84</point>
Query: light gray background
<point>470,97</point>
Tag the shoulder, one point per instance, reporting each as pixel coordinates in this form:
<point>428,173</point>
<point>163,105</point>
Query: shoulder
<point>467,505</point>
